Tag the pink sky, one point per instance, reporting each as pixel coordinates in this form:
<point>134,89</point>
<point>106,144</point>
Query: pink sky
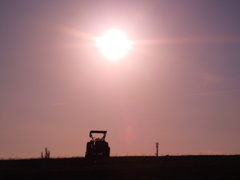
<point>180,86</point>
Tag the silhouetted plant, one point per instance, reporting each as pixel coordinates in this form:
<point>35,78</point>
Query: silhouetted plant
<point>46,155</point>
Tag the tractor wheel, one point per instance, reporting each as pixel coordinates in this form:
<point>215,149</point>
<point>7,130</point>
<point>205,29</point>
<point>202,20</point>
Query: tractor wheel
<point>89,150</point>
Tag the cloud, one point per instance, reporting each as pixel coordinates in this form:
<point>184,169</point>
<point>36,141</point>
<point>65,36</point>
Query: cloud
<point>215,92</point>
<point>59,104</point>
<point>213,78</point>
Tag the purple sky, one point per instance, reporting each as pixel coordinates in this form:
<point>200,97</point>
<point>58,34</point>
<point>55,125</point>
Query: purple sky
<point>179,86</point>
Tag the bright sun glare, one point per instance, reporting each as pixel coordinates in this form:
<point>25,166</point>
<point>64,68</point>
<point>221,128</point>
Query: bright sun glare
<point>114,44</point>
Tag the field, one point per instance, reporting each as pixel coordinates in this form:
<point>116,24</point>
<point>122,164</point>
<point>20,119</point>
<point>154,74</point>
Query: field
<point>165,167</point>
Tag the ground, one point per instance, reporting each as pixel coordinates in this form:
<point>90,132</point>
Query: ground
<point>167,167</point>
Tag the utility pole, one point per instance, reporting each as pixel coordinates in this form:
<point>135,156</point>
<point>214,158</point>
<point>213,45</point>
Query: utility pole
<point>157,149</point>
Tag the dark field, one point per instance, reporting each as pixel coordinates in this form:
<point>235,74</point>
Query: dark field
<point>168,167</point>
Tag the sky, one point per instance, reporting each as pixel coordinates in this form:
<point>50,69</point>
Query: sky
<point>179,85</point>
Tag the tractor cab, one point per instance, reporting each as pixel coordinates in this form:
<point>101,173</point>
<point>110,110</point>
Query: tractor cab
<point>97,147</point>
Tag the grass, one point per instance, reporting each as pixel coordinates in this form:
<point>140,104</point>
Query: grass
<point>136,167</point>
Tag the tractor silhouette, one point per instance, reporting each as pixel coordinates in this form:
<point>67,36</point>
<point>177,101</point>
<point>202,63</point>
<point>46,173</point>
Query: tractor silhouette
<point>97,147</point>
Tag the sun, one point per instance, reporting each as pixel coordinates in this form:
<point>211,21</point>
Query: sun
<point>114,44</point>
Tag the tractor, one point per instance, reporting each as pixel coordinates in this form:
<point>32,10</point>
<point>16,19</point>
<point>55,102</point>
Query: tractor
<point>97,147</point>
